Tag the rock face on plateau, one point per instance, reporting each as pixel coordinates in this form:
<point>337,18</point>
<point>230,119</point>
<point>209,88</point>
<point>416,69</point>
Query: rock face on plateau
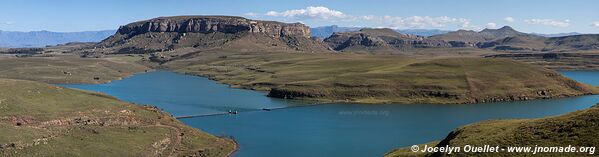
<point>380,40</point>
<point>209,32</point>
<point>478,37</point>
<point>508,39</point>
<point>502,39</point>
<point>210,24</point>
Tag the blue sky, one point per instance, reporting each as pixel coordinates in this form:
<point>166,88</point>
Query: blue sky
<point>541,16</point>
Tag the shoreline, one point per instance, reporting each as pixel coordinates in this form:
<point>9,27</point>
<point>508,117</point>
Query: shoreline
<point>325,101</point>
<point>329,101</point>
<point>237,146</point>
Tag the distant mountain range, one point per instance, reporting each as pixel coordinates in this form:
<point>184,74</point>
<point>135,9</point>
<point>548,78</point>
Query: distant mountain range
<point>384,40</point>
<point>380,40</point>
<point>326,31</point>
<point>13,39</point>
<point>508,39</point>
<point>469,36</point>
<point>558,34</point>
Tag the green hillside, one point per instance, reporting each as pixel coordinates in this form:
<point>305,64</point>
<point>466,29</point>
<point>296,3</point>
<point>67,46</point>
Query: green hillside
<point>382,78</point>
<point>37,119</point>
<point>577,129</point>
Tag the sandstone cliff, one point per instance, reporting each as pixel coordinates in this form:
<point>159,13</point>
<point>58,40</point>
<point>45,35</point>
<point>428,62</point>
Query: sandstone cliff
<point>380,40</point>
<point>210,32</point>
<point>211,24</point>
<point>472,37</point>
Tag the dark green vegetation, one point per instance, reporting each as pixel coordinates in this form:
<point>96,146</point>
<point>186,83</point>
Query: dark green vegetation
<point>25,51</point>
<point>382,78</point>
<point>41,119</point>
<point>577,129</point>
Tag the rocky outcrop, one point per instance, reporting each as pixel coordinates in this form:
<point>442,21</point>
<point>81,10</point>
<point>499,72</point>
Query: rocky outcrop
<point>503,32</point>
<point>162,36</point>
<point>508,39</point>
<point>210,24</point>
<point>537,43</point>
<point>473,37</point>
<point>374,40</point>
<point>574,42</point>
<point>166,34</point>
<point>502,39</point>
<point>516,43</point>
<point>556,60</point>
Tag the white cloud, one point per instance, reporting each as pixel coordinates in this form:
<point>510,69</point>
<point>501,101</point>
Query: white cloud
<point>368,17</point>
<point>509,19</point>
<point>311,12</point>
<point>491,25</point>
<point>324,13</point>
<point>251,14</point>
<point>549,22</point>
<point>595,24</point>
<point>7,23</point>
<point>425,21</point>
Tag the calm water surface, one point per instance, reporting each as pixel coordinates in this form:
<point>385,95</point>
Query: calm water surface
<point>589,77</point>
<point>346,130</point>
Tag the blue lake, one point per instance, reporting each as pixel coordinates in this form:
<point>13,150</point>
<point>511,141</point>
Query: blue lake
<point>589,77</point>
<point>347,130</point>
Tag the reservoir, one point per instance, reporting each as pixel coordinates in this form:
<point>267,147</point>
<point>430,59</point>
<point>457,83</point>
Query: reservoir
<point>297,130</point>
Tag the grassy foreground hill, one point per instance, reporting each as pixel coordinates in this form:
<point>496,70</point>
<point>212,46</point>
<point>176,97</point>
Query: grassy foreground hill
<point>69,69</point>
<point>577,60</point>
<point>576,129</point>
<point>37,119</point>
<point>382,78</point>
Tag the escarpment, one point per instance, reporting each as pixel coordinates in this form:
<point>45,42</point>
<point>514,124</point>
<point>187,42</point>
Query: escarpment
<point>211,24</point>
<point>210,32</point>
<point>380,41</point>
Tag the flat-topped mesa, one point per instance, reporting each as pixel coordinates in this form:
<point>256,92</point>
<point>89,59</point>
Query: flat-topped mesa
<point>489,38</point>
<point>210,24</point>
<point>167,35</point>
<point>380,41</point>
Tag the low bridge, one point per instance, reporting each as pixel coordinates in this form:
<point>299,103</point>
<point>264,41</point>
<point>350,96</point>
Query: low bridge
<point>235,112</point>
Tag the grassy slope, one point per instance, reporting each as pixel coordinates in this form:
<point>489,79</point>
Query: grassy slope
<point>68,69</point>
<point>40,119</point>
<point>407,152</point>
<point>381,78</point>
<point>575,60</point>
<point>576,129</point>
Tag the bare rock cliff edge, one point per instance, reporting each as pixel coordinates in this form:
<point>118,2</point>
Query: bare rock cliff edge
<point>209,32</point>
